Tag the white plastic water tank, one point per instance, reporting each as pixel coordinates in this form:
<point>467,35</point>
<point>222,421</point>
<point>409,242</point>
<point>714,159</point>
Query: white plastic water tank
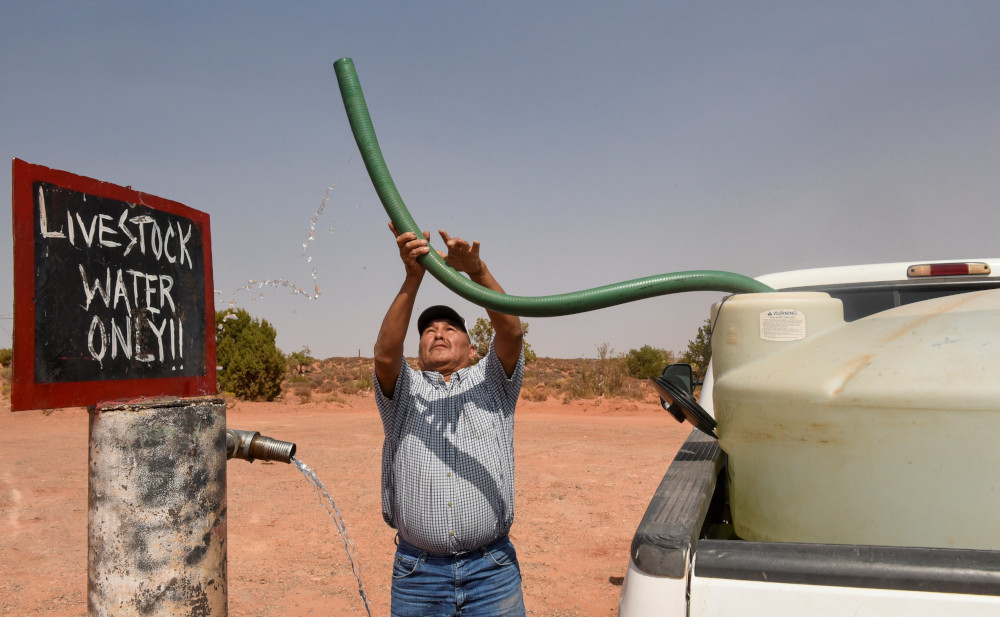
<point>881,431</point>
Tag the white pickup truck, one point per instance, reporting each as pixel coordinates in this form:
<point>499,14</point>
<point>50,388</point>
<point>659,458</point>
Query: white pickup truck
<point>914,532</point>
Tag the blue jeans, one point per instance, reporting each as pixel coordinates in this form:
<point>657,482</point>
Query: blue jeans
<point>481,583</point>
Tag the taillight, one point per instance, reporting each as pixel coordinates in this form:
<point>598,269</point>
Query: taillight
<point>952,269</point>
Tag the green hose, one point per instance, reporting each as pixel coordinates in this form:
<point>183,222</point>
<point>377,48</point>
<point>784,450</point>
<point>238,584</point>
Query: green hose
<point>536,306</point>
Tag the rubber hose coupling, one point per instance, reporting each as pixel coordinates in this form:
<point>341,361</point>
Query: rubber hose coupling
<point>251,446</point>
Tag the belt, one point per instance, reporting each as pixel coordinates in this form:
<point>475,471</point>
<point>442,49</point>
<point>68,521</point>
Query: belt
<point>406,546</point>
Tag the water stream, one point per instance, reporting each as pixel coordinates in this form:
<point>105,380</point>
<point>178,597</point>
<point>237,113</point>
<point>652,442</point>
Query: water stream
<point>331,508</point>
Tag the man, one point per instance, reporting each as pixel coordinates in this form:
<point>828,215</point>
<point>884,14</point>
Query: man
<point>448,455</point>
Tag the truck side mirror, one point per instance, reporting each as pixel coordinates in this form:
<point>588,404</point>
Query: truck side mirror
<point>674,387</point>
<point>684,373</point>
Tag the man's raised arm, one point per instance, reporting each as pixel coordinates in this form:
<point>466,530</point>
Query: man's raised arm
<point>392,334</point>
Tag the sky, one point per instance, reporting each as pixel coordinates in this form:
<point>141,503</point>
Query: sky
<point>582,143</point>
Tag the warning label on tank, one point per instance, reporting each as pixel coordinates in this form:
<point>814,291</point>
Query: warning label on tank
<point>782,325</point>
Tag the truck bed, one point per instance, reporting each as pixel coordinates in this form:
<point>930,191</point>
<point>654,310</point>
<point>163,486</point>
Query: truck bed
<point>685,536</point>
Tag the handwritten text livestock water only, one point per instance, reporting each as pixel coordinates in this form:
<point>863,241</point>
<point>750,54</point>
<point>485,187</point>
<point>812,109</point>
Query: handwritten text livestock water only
<point>131,288</point>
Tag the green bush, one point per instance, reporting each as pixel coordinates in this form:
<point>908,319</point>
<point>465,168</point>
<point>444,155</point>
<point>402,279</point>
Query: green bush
<point>481,335</point>
<point>6,355</point>
<point>300,361</point>
<point>647,361</point>
<point>699,351</point>
<point>251,365</point>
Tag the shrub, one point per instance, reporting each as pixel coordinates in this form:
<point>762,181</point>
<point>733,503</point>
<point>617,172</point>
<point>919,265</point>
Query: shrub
<point>535,394</point>
<point>251,364</point>
<point>300,361</point>
<point>304,392</point>
<point>336,399</point>
<point>6,374</point>
<point>606,376</point>
<point>699,351</point>
<point>361,382</point>
<point>647,361</point>
<point>482,333</point>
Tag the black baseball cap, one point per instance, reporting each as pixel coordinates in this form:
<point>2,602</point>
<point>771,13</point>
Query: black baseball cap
<point>440,311</point>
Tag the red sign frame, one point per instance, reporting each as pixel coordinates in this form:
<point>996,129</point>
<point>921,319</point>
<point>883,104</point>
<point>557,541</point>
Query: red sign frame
<point>26,391</point>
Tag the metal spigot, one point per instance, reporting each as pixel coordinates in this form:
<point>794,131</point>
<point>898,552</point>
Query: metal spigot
<point>251,445</point>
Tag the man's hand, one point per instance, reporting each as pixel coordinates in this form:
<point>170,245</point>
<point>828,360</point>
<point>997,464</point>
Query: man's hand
<point>507,328</point>
<point>461,255</point>
<point>410,248</point>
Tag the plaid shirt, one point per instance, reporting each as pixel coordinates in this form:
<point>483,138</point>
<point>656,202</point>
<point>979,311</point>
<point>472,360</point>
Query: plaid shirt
<point>448,455</point>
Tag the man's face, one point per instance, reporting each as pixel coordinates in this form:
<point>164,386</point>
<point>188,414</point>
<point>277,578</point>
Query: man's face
<point>444,348</point>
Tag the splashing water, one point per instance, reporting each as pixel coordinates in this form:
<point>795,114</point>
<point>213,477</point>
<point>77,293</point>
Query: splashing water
<point>331,508</point>
<point>279,283</point>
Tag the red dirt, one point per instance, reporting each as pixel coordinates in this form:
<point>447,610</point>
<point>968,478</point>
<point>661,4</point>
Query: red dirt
<point>585,473</point>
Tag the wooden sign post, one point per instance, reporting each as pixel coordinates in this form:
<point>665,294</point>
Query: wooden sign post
<point>113,310</point>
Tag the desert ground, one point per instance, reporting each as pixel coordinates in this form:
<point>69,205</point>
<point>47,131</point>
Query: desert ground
<point>585,472</point>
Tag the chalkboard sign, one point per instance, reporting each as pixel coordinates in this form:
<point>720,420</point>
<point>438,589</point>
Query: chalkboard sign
<point>112,293</point>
